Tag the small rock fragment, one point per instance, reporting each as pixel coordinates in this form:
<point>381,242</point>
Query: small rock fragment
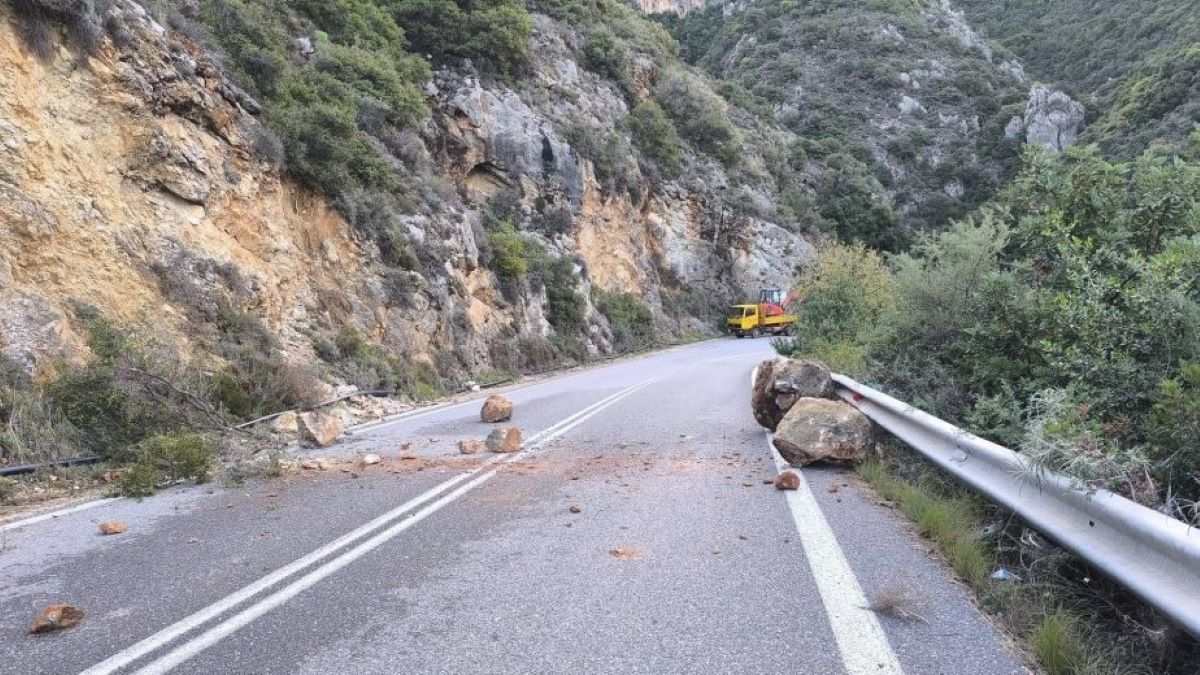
<point>113,527</point>
<point>505,440</point>
<point>287,423</point>
<point>369,459</point>
<point>496,409</point>
<point>575,509</point>
<point>314,464</point>
<point>56,617</point>
<point>626,553</point>
<point>833,488</point>
<point>471,447</point>
<point>788,480</point>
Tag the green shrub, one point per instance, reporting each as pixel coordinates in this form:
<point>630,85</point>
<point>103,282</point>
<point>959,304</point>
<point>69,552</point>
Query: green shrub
<point>655,136</point>
<point>168,458</point>
<point>1174,429</point>
<point>496,32</point>
<point>131,390</point>
<point>258,380</point>
<point>508,252</point>
<point>629,317</point>
<point>699,114</point>
<point>613,161</point>
<point>844,292</point>
<point>564,305</point>
<point>8,489</point>
<point>607,56</point>
<point>139,480</point>
<point>1055,644</point>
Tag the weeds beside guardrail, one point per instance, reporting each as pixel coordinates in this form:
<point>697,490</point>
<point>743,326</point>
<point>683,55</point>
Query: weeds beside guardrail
<point>1153,555</point>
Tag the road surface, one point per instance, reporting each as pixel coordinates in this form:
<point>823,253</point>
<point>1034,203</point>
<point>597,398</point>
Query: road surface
<point>680,558</point>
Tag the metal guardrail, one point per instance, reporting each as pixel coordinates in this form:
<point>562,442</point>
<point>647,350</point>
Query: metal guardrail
<point>1155,556</point>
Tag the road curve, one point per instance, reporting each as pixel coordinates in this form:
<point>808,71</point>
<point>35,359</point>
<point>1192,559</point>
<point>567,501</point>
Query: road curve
<point>450,564</point>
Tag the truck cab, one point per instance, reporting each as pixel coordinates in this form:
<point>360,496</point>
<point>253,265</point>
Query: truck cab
<point>744,320</point>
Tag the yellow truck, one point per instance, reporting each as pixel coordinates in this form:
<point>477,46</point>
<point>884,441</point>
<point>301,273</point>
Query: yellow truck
<point>768,315</point>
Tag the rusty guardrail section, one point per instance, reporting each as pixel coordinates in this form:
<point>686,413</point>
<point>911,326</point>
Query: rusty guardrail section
<point>1155,556</point>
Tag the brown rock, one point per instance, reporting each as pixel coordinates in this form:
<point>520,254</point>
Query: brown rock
<point>471,447</point>
<point>626,553</point>
<point>113,527</point>
<point>505,440</point>
<point>496,409</point>
<point>788,480</point>
<point>56,617</point>
<point>803,379</point>
<point>575,509</point>
<point>781,382</point>
<point>762,396</point>
<point>287,423</point>
<point>818,429</point>
<point>369,459</point>
<point>319,429</point>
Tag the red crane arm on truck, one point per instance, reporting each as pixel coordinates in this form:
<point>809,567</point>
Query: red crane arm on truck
<point>778,309</point>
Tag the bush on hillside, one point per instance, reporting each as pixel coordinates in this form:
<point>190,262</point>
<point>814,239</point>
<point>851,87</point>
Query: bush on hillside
<point>699,114</point>
<point>629,317</point>
<point>656,137</point>
<point>843,294</point>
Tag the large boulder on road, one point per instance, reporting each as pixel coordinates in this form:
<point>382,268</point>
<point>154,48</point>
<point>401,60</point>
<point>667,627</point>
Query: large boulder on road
<point>319,429</point>
<point>496,409</point>
<point>505,440</point>
<point>781,382</point>
<point>817,429</point>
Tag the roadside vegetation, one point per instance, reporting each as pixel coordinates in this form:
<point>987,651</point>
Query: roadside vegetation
<point>1063,321</point>
<point>1070,619</point>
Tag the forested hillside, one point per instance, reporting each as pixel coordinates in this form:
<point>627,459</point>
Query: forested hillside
<point>899,107</point>
<point>1136,61</point>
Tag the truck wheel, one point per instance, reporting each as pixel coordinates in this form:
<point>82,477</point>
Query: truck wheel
<point>756,333</point>
<point>787,330</point>
<point>740,335</point>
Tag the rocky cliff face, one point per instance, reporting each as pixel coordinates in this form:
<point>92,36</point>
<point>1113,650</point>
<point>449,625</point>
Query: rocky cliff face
<point>677,7</point>
<point>1052,119</point>
<point>132,181</point>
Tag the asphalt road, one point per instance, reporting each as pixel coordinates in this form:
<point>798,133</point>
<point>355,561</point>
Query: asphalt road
<point>435,562</point>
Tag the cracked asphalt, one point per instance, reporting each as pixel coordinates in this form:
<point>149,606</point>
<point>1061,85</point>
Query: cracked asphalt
<point>495,573</point>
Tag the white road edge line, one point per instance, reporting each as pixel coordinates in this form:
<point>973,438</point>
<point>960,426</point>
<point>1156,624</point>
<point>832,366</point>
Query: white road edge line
<point>199,618</point>
<point>864,646</point>
<point>56,513</point>
<point>227,627</point>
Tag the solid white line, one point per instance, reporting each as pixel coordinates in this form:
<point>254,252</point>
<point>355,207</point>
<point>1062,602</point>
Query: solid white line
<point>864,646</point>
<point>136,651</point>
<point>55,514</point>
<point>860,638</point>
<point>222,630</point>
<point>227,627</point>
<point>169,634</point>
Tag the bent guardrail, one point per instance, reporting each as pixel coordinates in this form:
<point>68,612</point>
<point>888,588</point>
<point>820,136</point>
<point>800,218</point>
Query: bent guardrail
<point>1155,556</point>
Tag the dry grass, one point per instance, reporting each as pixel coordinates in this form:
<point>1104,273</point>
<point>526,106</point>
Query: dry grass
<point>897,602</point>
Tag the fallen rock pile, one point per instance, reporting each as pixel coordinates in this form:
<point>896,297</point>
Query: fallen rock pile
<point>796,399</point>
